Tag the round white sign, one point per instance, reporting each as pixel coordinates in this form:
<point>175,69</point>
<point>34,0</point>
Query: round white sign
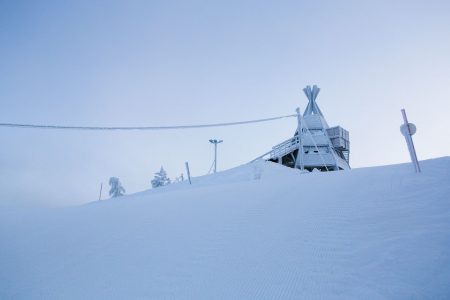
<point>411,129</point>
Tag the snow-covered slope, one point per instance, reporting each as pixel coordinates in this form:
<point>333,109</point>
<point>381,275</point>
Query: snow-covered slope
<point>260,231</point>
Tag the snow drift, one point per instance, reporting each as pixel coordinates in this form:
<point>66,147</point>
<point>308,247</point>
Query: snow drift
<point>259,231</point>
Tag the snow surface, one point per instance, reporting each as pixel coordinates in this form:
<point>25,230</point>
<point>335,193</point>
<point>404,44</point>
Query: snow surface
<point>259,231</point>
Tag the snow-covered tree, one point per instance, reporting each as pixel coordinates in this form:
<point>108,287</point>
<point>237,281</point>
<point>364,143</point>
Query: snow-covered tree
<point>116,187</point>
<point>160,179</point>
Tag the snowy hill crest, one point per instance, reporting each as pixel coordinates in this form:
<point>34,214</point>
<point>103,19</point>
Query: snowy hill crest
<point>259,231</point>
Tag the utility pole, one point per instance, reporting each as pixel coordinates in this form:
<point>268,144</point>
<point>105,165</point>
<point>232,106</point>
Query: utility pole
<point>299,158</point>
<point>215,142</point>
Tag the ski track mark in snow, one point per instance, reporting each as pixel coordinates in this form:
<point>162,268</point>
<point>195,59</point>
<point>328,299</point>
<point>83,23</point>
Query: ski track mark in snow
<point>375,233</point>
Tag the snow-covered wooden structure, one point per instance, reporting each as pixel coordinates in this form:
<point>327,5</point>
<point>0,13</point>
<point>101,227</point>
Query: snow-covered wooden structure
<point>315,145</point>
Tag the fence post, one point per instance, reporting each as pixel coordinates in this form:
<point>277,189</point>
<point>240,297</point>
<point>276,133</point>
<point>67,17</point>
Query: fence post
<point>188,172</point>
<point>100,195</point>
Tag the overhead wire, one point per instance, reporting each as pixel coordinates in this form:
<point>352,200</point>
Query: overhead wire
<point>172,127</point>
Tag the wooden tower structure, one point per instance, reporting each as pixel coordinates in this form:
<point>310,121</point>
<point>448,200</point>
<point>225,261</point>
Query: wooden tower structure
<point>315,145</point>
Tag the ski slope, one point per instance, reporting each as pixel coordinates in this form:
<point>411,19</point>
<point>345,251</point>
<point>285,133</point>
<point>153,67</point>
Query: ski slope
<point>259,231</point>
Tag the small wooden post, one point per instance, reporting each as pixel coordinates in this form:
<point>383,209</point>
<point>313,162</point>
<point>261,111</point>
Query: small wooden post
<point>100,195</point>
<point>188,172</point>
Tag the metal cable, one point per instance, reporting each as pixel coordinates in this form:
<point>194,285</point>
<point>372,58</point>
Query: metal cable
<point>61,127</point>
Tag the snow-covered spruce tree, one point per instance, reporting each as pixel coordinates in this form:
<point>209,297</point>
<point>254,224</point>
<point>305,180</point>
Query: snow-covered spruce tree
<point>116,187</point>
<point>160,179</point>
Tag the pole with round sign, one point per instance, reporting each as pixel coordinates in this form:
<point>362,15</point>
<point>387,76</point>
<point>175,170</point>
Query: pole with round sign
<point>408,130</point>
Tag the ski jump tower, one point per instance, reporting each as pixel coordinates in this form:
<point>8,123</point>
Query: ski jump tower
<point>315,145</point>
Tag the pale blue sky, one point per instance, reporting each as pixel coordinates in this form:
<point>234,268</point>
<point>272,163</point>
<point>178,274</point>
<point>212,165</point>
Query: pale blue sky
<point>126,63</point>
